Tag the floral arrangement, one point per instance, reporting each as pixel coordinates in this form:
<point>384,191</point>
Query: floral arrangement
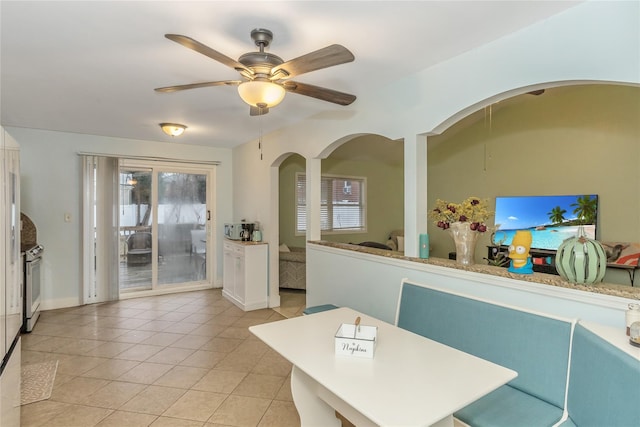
<point>473,210</point>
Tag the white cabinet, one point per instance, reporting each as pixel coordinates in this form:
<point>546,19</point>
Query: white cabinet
<point>245,278</point>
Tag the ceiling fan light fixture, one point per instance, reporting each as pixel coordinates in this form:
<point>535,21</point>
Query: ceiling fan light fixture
<point>261,93</point>
<point>172,129</point>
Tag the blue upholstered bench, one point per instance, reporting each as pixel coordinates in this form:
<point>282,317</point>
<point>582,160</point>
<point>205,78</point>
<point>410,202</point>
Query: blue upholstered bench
<point>534,345</point>
<point>318,308</point>
<point>604,384</point>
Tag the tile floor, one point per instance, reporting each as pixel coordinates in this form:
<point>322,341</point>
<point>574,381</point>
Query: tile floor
<point>175,360</point>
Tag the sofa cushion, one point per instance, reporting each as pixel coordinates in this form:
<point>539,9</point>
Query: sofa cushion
<point>535,346</point>
<point>604,384</point>
<point>509,407</point>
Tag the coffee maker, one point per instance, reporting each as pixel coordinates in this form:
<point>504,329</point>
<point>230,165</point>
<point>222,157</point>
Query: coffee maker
<point>247,231</point>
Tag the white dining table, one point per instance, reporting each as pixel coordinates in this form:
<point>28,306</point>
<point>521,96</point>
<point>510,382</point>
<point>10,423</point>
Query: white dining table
<point>410,381</point>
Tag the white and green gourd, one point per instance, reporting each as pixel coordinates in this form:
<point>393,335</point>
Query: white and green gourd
<point>581,260</point>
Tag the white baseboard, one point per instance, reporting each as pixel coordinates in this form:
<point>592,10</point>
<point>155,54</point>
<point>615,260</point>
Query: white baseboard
<point>54,304</point>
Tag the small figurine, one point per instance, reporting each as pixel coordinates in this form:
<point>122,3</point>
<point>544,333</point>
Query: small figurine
<point>519,253</point>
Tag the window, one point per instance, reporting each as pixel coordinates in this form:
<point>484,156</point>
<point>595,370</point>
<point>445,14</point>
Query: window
<point>343,204</point>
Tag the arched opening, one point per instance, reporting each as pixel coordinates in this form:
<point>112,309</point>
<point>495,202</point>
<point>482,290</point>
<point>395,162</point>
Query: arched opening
<point>574,139</point>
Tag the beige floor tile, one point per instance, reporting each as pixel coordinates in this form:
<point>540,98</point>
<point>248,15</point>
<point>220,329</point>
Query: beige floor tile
<point>209,329</point>
<point>150,314</point>
<point>76,389</point>
<point>203,359</point>
<point>253,347</point>
<point>193,342</point>
<point>99,333</point>
<point>223,345</point>
<point>128,323</point>
<point>235,332</point>
<point>139,352</point>
<point>51,344</point>
<point>174,316</point>
<point>171,355</point>
<point>223,320</point>
<point>182,377</point>
<point>61,379</point>
<point>127,419</point>
<point>273,364</point>
<point>280,414</point>
<point>256,385</point>
<point>109,349</point>
<point>221,365</point>
<point>240,411</point>
<point>113,395</point>
<point>163,339</point>
<point>238,362</point>
<point>195,405</point>
<point>198,318</point>
<point>285,391</point>
<point>145,373</point>
<point>78,365</point>
<point>29,340</point>
<point>134,336</point>
<point>79,416</point>
<point>220,381</point>
<point>40,413</point>
<point>182,327</point>
<point>175,422</point>
<point>111,369</point>
<point>29,357</point>
<point>155,325</point>
<point>153,400</point>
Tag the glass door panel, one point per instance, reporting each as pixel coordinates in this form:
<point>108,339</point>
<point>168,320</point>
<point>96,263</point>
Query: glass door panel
<point>182,235</point>
<point>136,228</point>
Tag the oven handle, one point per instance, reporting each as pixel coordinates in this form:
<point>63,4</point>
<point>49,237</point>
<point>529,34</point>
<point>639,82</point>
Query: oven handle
<point>34,261</point>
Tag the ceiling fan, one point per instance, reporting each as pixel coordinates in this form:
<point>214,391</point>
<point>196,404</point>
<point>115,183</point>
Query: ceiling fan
<point>266,76</point>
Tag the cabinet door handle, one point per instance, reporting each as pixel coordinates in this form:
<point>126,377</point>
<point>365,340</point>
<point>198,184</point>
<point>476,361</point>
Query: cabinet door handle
<point>208,215</point>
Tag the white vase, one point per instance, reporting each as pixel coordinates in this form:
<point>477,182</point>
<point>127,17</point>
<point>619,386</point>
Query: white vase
<point>465,239</point>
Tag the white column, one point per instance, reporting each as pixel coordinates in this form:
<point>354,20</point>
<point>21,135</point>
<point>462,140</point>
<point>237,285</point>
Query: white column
<point>274,237</point>
<point>313,198</point>
<point>415,192</point>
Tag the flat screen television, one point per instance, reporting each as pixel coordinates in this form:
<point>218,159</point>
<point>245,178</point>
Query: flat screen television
<point>551,219</point>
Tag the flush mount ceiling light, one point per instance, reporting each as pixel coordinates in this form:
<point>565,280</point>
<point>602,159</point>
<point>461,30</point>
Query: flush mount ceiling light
<point>172,129</point>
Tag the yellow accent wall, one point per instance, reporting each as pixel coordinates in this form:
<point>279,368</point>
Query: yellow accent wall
<point>570,140</point>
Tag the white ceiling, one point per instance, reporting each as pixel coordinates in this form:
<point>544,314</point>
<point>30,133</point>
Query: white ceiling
<point>90,67</point>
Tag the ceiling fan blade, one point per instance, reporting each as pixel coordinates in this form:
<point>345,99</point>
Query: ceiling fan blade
<point>321,93</point>
<point>207,51</point>
<point>169,89</point>
<point>257,111</point>
<point>322,58</point>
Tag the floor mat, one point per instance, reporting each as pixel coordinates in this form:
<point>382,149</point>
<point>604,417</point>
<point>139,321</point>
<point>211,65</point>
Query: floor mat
<point>37,381</point>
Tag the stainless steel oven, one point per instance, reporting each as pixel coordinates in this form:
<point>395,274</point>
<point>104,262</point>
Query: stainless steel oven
<point>32,286</point>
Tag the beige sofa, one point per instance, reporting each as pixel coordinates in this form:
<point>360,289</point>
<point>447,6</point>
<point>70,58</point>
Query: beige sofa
<point>293,268</point>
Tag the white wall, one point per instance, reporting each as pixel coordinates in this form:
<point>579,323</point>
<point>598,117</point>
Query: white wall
<point>371,284</point>
<point>51,186</point>
<point>594,41</point>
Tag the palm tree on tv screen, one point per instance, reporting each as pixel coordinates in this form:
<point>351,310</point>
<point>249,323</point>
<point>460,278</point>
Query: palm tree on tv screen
<point>556,216</point>
<point>585,209</point>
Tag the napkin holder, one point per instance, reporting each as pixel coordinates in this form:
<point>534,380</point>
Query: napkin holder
<point>356,340</point>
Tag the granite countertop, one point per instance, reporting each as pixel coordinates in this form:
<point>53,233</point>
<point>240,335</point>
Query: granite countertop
<point>245,242</point>
<point>547,279</point>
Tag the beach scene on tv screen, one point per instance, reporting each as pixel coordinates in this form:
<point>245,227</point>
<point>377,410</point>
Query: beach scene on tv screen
<point>551,219</point>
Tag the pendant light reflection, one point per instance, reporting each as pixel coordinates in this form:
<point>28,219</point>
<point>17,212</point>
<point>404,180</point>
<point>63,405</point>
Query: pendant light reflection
<point>172,129</point>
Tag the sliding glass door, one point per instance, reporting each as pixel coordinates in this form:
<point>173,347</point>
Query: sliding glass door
<point>163,221</point>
